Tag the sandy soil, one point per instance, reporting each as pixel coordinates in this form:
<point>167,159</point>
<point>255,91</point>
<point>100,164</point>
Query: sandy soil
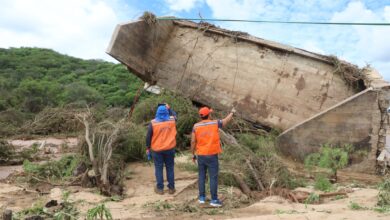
<point>278,208</point>
<point>140,201</point>
<point>139,193</point>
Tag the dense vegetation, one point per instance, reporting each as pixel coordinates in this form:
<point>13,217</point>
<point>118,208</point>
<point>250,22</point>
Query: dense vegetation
<point>36,82</point>
<point>34,78</point>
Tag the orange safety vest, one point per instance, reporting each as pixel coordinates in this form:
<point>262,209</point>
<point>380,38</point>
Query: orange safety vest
<point>207,137</point>
<point>164,134</point>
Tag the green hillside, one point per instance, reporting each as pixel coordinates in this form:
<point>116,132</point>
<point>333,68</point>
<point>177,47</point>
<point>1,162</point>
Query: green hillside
<point>34,78</point>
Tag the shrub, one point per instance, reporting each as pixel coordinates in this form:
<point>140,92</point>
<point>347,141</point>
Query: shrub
<point>356,206</point>
<point>260,145</point>
<point>36,209</point>
<point>52,170</point>
<point>312,198</point>
<point>11,120</point>
<point>130,143</point>
<point>7,151</point>
<point>145,111</point>
<point>260,152</point>
<point>53,120</point>
<point>322,183</point>
<point>99,212</point>
<point>384,193</point>
<point>332,158</point>
<point>68,209</point>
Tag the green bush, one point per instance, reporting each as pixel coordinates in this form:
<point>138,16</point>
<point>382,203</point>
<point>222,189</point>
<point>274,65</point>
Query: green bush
<point>36,209</point>
<point>11,120</point>
<point>260,152</point>
<point>286,180</point>
<point>322,183</point>
<point>7,152</point>
<point>260,145</point>
<point>187,114</point>
<point>384,193</point>
<point>34,78</point>
<point>130,144</point>
<point>356,206</point>
<point>52,170</point>
<point>99,212</point>
<point>312,198</point>
<point>332,158</point>
<point>80,92</point>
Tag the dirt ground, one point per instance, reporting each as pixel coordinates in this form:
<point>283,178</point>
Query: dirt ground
<point>140,201</point>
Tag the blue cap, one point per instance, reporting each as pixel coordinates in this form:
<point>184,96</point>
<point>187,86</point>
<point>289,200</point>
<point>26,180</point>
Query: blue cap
<point>162,113</point>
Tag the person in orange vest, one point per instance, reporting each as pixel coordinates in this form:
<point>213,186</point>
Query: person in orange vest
<point>161,143</point>
<point>206,144</point>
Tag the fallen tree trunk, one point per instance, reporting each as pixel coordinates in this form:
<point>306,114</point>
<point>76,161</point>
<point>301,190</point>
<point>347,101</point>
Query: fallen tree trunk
<point>300,196</point>
<point>243,186</point>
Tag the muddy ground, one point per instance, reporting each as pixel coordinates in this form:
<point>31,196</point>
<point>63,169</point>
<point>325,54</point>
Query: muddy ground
<point>140,201</point>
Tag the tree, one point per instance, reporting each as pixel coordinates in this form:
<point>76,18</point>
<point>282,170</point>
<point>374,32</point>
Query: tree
<point>333,158</point>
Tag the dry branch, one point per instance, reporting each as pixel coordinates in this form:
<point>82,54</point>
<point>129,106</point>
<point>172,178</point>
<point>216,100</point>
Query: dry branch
<point>230,140</point>
<point>260,185</point>
<point>84,118</point>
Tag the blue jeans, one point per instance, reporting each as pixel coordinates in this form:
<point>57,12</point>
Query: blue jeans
<point>160,158</point>
<point>208,163</point>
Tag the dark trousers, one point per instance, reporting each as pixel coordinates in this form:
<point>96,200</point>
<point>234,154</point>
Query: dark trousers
<point>160,158</point>
<point>210,164</point>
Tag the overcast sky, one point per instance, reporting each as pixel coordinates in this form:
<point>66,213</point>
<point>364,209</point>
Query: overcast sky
<point>83,28</point>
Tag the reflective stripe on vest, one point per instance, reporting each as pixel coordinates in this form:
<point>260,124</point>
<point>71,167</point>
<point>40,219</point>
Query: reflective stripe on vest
<point>207,137</point>
<point>164,134</point>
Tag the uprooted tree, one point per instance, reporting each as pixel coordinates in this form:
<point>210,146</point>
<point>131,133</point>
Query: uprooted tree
<point>332,158</point>
<point>100,138</point>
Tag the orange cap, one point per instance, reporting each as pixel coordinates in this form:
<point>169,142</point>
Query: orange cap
<point>204,111</point>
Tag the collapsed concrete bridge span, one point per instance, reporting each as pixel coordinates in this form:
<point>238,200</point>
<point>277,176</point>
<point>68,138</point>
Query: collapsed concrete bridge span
<point>269,83</point>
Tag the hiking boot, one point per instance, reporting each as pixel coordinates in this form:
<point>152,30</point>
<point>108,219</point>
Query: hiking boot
<point>202,199</point>
<point>172,191</point>
<point>159,191</point>
<point>216,203</point>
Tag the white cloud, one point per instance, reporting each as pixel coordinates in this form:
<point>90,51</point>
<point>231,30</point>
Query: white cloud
<point>182,5</point>
<point>313,47</point>
<point>236,9</point>
<point>371,45</point>
<point>355,12</point>
<point>387,13</point>
<point>79,28</point>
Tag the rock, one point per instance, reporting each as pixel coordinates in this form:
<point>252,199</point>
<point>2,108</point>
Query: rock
<point>80,169</point>
<point>46,150</point>
<point>116,190</point>
<point>91,173</point>
<point>34,217</point>
<point>56,194</point>
<point>85,182</point>
<point>274,199</point>
<point>7,215</point>
<point>51,203</point>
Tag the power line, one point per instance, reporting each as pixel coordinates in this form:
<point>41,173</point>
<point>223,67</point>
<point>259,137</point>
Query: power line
<point>280,22</point>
